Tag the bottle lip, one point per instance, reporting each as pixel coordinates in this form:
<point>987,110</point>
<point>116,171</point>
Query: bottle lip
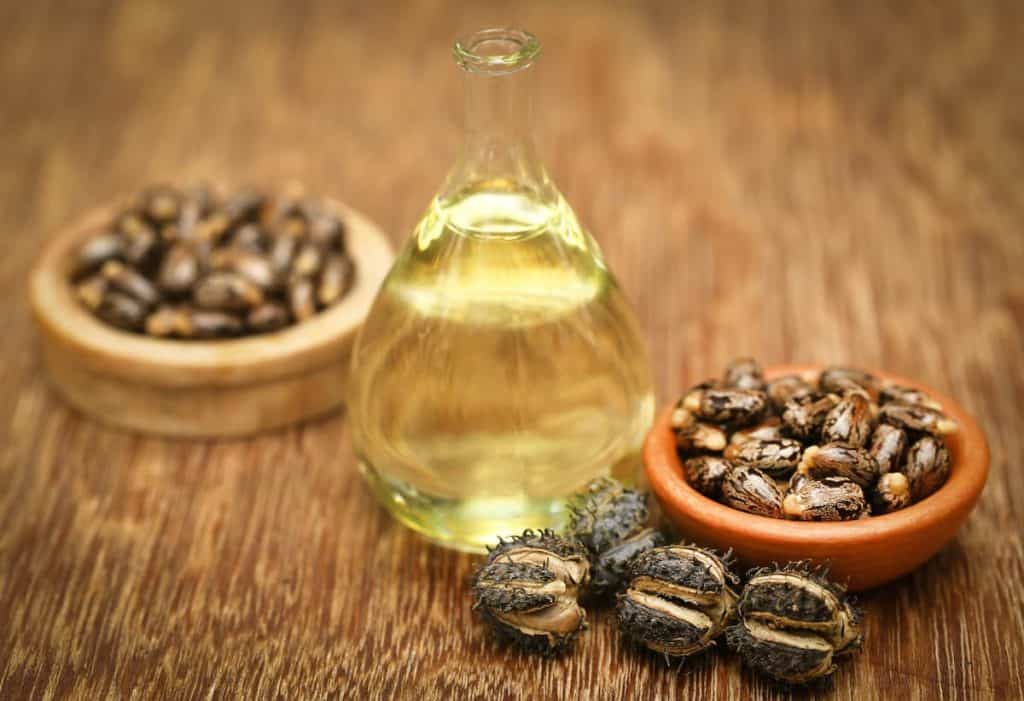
<point>496,51</point>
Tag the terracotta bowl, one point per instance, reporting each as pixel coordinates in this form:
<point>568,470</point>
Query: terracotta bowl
<point>200,388</point>
<point>862,554</point>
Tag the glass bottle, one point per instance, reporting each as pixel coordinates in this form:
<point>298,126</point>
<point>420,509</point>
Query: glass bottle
<point>500,367</point>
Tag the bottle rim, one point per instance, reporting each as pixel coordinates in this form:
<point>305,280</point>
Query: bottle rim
<point>496,51</point>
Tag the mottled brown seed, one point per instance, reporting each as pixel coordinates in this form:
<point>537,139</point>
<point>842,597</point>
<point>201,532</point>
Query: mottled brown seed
<point>131,283</point>
<point>120,310</point>
<point>891,493</point>
<point>328,232</point>
<point>142,248</point>
<point>737,407</point>
<point>748,489</point>
<point>782,389</point>
<point>744,373</point>
<point>916,417</point>
<point>90,291</point>
<point>301,298</point>
<point>282,253</point>
<point>804,415</point>
<point>202,323</point>
<point>166,322</point>
<point>706,473</point>
<point>269,316</point>
<point>843,380</point>
<point>827,499</point>
<point>213,228</point>
<point>888,444</point>
<point>769,429</point>
<point>226,291</point>
<point>96,251</point>
<point>927,467</point>
<point>850,421</point>
<point>179,269</point>
<point>254,267</point>
<point>250,237</point>
<point>197,203</point>
<point>839,460</point>
<point>336,279</point>
<point>776,457</point>
<point>308,260</point>
<point>906,395</point>
<point>161,204</point>
<point>244,206</point>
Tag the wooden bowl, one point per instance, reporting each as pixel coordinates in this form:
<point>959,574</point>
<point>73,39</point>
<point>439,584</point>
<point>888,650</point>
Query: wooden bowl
<point>200,388</point>
<point>863,553</point>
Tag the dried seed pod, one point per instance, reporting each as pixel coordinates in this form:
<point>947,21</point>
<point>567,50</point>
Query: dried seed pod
<point>301,298</point>
<point>226,291</point>
<point>838,459</point>
<point>769,429</point>
<point>609,569</point>
<point>95,252</point>
<point>842,381</point>
<point>744,373</point>
<point>122,311</point>
<point>336,279</point>
<point>706,473</point>
<point>161,204</point>
<point>827,499</point>
<point>243,207</point>
<point>888,443</point>
<point>328,232</point>
<point>737,407</point>
<point>309,259</point>
<point>748,489</point>
<point>850,421</point>
<point>269,316</point>
<point>680,598</point>
<point>605,513</point>
<point>776,457</point>
<point>891,493</point>
<point>527,590</point>
<point>927,467</point>
<point>805,414</point>
<point>906,395</point>
<point>793,623</point>
<point>179,269</point>
<point>128,282</point>
<point>916,417</point>
<point>251,265</point>
<point>782,389</point>
<point>90,291</point>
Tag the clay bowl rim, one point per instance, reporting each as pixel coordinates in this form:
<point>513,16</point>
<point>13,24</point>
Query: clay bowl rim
<point>175,363</point>
<point>953,500</point>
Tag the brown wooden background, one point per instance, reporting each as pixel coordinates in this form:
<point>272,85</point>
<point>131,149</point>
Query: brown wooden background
<point>800,180</point>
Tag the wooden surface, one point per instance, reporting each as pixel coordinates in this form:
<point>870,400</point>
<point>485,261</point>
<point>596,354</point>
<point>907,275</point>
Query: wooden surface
<point>802,180</point>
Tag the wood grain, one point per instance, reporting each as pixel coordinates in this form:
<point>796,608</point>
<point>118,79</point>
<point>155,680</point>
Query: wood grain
<point>809,182</point>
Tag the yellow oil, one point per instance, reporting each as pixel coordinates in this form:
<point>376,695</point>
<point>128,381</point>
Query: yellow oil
<point>498,371</point>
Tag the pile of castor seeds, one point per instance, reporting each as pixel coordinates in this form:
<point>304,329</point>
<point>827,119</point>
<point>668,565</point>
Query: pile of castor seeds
<point>181,263</point>
<point>831,446</point>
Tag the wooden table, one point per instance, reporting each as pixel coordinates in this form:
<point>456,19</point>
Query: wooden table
<point>801,181</point>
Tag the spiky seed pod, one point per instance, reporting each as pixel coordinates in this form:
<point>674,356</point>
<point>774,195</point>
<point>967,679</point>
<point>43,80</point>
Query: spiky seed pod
<point>680,598</point>
<point>842,381</point>
<point>927,467</point>
<point>776,457</point>
<point>748,489</point>
<point>834,459</point>
<point>850,421</point>
<point>888,444</point>
<point>917,417</point>
<point>744,373</point>
<point>769,429</point>
<point>736,407</point>
<point>527,590</point>
<point>793,623</point>
<point>804,415</point>
<point>609,569</point>
<point>906,395</point>
<point>782,389</point>
<point>891,493</point>
<point>706,473</point>
<point>827,499</point>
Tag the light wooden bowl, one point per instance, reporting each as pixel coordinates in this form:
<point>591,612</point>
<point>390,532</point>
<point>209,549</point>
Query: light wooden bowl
<point>861,554</point>
<point>200,388</point>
